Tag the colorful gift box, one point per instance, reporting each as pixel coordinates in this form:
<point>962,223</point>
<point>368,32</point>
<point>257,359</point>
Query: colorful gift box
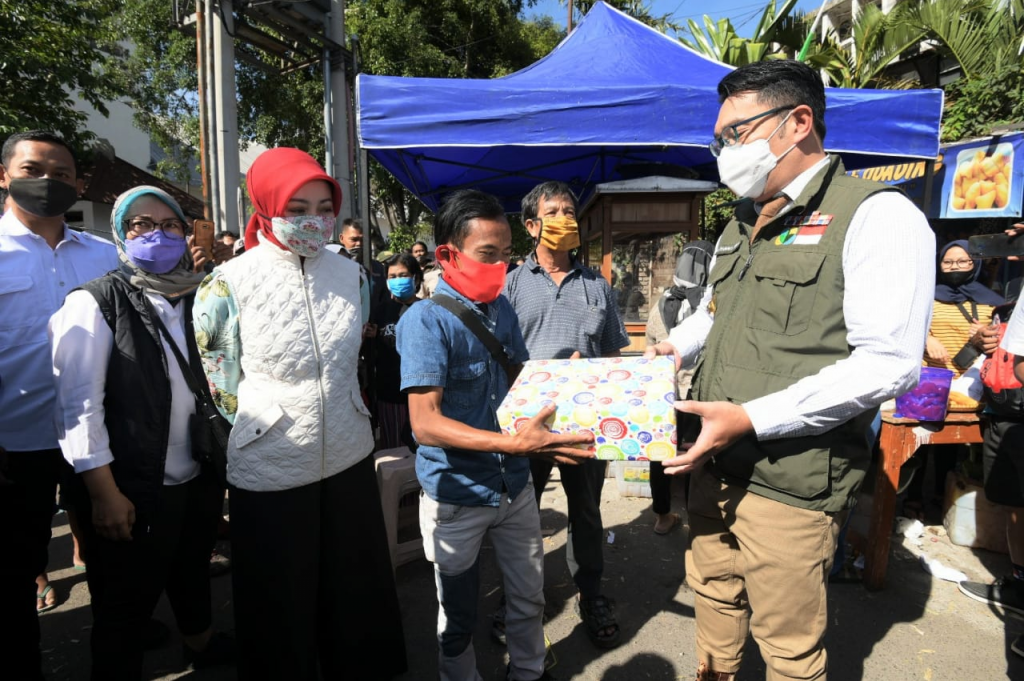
<point>626,402</point>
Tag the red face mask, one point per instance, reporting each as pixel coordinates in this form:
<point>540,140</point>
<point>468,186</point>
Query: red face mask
<point>478,281</point>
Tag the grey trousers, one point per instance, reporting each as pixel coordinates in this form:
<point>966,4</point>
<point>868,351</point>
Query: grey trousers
<point>452,536</point>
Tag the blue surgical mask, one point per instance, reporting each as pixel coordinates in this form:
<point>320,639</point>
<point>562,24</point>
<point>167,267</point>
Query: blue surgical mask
<point>402,288</point>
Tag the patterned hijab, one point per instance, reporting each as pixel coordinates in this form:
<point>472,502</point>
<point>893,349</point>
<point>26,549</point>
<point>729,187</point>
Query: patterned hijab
<point>173,284</point>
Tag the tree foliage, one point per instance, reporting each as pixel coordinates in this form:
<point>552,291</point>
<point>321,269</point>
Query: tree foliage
<point>48,54</point>
<point>975,105</point>
<point>441,39</point>
<point>642,10</point>
<point>984,36</point>
<point>879,40</point>
<point>778,32</point>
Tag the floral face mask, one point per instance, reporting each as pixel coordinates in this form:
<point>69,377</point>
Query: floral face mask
<point>303,235</point>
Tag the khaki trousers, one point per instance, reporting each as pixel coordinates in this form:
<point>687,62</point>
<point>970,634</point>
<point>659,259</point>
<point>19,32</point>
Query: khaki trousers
<point>758,566</point>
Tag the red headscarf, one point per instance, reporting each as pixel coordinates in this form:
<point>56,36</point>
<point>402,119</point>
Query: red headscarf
<point>273,179</point>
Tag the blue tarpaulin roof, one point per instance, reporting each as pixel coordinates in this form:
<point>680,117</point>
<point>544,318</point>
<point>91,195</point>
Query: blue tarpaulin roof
<point>615,100</point>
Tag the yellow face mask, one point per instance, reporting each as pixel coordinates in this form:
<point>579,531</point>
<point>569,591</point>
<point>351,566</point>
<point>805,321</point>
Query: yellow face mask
<point>559,233</point>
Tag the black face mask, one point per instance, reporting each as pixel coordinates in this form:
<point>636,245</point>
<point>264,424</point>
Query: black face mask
<point>423,259</point>
<point>42,196</point>
<point>955,279</point>
<point>356,253</point>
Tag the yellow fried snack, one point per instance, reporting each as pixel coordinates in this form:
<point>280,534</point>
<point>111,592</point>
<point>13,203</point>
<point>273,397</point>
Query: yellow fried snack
<point>982,182</point>
<point>961,402</point>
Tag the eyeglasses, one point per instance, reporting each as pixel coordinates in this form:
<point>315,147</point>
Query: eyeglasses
<point>959,264</point>
<point>731,136</point>
<point>172,227</point>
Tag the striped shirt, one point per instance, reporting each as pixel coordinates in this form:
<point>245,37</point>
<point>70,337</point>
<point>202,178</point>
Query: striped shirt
<point>556,321</point>
<point>951,328</point>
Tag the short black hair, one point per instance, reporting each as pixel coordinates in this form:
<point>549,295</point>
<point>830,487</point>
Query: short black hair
<point>34,136</point>
<point>547,190</point>
<point>351,223</point>
<point>779,82</point>
<point>419,243</point>
<point>226,232</point>
<point>410,264</point>
<point>451,224</point>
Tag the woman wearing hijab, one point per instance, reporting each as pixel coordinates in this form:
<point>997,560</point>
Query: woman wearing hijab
<point>960,332</point>
<point>962,309</point>
<point>279,330</point>
<point>403,277</point>
<point>678,302</point>
<point>148,510</point>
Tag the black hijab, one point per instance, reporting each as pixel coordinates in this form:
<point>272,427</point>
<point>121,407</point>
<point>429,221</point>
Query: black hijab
<point>973,290</point>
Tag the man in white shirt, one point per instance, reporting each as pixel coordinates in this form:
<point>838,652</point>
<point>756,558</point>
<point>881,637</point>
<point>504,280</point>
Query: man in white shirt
<point>41,260</point>
<point>818,303</point>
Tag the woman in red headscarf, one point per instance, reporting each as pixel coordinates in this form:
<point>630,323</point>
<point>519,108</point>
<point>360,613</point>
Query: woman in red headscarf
<point>279,331</point>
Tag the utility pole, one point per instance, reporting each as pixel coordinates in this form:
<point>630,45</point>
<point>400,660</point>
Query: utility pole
<point>226,164</point>
<point>568,23</point>
<point>341,157</point>
<point>204,132</point>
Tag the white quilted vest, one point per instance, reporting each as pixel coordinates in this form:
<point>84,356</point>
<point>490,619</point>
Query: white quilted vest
<point>300,415</point>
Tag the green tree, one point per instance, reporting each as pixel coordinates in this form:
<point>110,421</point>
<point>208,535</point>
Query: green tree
<point>642,10</point>
<point>975,105</point>
<point>49,50</point>
<point>161,79</point>
<point>984,36</point>
<point>441,39</point>
<point>879,40</point>
<point>777,33</point>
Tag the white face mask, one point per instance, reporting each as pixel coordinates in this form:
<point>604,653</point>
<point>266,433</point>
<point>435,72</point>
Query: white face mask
<point>744,168</point>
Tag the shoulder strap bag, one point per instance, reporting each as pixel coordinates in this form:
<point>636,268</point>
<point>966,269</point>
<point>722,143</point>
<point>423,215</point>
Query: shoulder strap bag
<point>208,428</point>
<point>473,323</point>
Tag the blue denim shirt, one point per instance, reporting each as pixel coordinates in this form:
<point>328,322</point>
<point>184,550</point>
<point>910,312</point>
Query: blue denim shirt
<point>439,351</point>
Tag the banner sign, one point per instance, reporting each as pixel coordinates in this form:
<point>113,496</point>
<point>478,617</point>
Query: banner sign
<point>978,179</point>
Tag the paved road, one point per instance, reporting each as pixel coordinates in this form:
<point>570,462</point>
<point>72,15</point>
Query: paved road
<point>918,628</point>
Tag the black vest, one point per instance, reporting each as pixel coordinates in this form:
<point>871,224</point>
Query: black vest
<point>137,402</point>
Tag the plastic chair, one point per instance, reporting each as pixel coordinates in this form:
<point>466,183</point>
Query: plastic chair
<point>396,478</point>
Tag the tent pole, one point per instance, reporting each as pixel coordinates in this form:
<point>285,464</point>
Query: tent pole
<point>568,22</point>
<point>929,176</point>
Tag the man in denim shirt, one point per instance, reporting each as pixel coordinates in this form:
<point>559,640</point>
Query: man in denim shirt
<point>475,479</point>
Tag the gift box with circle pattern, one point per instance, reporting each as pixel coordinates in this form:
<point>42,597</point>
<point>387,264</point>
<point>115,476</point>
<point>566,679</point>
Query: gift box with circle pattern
<point>626,402</point>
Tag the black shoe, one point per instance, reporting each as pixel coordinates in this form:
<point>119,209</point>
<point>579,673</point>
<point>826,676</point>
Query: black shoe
<point>545,677</point>
<point>1005,592</point>
<point>154,634</point>
<point>219,651</point>
<point>498,623</point>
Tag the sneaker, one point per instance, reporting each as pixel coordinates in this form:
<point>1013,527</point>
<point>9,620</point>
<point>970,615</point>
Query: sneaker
<point>1005,592</point>
<point>219,651</point>
<point>1018,646</point>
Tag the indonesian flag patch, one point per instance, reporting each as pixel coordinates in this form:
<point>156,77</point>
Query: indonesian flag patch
<point>804,230</point>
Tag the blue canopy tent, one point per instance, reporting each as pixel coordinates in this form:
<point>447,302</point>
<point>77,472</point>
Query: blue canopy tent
<point>615,100</point>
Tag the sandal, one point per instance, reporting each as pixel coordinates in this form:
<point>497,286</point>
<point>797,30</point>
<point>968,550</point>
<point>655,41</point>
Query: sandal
<point>45,605</point>
<point>914,510</point>
<point>666,523</point>
<point>599,620</point>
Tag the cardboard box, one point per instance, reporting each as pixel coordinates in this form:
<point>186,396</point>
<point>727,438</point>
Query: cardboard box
<point>626,402</point>
<point>633,478</point>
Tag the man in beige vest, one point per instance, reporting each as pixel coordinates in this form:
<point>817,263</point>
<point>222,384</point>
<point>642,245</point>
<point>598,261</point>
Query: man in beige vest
<point>818,303</point>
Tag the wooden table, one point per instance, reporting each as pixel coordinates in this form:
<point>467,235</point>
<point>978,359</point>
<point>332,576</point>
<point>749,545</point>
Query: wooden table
<point>899,439</point>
